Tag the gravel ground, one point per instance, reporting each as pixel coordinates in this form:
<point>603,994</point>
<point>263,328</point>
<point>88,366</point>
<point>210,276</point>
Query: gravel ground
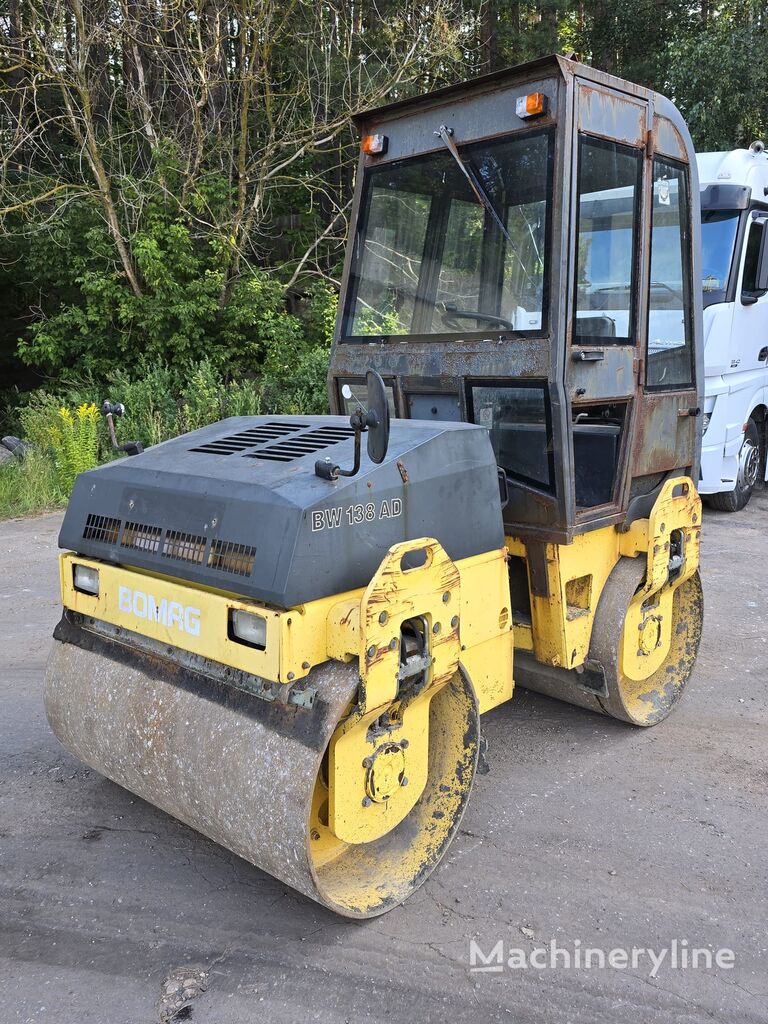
<point>585,833</point>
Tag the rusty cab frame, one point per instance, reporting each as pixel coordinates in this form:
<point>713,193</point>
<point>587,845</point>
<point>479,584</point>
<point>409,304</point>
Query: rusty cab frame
<point>592,400</point>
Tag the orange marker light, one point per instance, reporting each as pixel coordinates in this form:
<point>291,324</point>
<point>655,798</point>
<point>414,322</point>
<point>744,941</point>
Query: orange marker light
<point>374,145</point>
<point>531,105</point>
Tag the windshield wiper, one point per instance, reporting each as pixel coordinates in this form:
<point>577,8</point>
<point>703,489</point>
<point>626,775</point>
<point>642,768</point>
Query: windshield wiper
<point>446,134</point>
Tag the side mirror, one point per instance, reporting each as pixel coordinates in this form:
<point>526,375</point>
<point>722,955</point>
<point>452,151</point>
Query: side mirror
<point>110,410</point>
<point>762,263</point>
<point>755,281</point>
<point>377,418</point>
<point>374,421</point>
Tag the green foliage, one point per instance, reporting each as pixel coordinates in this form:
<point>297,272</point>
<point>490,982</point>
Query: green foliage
<point>205,329</point>
<point>150,399</point>
<point>717,77</point>
<point>184,314</point>
<point>29,485</point>
<point>74,443</point>
<point>160,403</point>
<point>382,322</point>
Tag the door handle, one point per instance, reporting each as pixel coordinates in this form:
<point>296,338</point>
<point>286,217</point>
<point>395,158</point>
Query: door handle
<point>588,355</point>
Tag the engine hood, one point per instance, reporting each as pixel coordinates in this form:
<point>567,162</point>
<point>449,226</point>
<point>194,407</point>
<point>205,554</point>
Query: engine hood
<point>237,505</point>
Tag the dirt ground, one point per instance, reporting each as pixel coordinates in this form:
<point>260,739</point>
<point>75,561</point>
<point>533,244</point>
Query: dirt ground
<point>585,833</point>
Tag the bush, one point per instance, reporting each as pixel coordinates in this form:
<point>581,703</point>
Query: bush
<point>159,404</point>
<point>185,314</point>
<point>29,485</point>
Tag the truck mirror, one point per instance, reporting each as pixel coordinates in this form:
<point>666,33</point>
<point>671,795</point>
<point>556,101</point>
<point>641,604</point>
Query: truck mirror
<point>762,265</point>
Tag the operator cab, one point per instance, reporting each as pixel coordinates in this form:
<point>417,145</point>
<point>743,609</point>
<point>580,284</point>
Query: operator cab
<point>523,257</point>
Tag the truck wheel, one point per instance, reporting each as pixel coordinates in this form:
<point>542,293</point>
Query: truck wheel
<point>750,461</point>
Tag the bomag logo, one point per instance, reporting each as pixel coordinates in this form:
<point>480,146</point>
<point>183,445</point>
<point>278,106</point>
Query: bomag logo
<point>171,614</point>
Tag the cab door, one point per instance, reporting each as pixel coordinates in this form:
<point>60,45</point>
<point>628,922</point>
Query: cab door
<point>607,309</point>
<point>630,371</point>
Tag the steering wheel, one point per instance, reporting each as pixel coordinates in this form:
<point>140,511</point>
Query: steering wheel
<point>668,288</point>
<point>450,313</point>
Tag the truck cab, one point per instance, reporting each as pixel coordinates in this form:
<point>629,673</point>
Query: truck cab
<point>734,277</point>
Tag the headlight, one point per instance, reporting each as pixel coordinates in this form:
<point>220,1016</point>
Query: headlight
<point>248,628</point>
<point>86,579</point>
<point>705,421</point>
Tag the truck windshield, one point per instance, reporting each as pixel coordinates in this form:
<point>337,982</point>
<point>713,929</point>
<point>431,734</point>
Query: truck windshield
<point>718,235</point>
<point>429,259</point>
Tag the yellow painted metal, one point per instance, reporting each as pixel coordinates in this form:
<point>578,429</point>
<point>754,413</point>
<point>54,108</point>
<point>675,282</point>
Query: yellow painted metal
<point>561,623</point>
<point>300,638</point>
<point>648,696</point>
<point>484,628</point>
<point>430,591</point>
<point>371,874</point>
<point>295,639</point>
<point>356,748</point>
<point>378,761</point>
<point>560,632</point>
<point>465,611</point>
<point>647,636</point>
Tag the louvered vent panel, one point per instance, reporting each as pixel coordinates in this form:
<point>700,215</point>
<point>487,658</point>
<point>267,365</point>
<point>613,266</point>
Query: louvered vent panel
<point>103,529</point>
<point>245,439</point>
<point>141,537</point>
<point>229,557</point>
<point>186,547</point>
<point>303,444</point>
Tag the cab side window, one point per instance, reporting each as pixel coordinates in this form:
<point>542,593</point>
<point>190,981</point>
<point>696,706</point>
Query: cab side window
<point>609,186</point>
<point>519,422</point>
<point>670,350</point>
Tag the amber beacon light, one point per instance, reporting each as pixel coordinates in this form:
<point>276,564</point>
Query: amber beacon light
<point>531,105</point>
<point>375,145</point>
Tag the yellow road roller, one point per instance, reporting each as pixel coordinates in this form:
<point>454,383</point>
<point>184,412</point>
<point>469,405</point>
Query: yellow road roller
<point>283,631</point>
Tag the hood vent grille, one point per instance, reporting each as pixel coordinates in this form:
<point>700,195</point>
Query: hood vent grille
<point>184,546</point>
<point>223,555</point>
<point>141,538</point>
<point>229,557</point>
<point>302,444</point>
<point>103,529</point>
<point>245,439</point>
<point>276,442</point>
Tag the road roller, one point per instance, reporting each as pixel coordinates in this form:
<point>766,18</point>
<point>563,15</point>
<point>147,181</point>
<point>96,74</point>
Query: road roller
<point>284,630</point>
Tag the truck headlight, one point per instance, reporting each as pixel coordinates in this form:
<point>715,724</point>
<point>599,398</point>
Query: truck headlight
<point>705,421</point>
<point>86,579</point>
<point>248,628</point>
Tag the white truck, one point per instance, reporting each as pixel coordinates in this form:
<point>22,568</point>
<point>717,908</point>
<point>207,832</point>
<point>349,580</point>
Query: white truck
<point>734,270</point>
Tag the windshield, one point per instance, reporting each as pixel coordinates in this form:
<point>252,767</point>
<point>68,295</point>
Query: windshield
<point>429,259</point>
<point>718,235</point>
